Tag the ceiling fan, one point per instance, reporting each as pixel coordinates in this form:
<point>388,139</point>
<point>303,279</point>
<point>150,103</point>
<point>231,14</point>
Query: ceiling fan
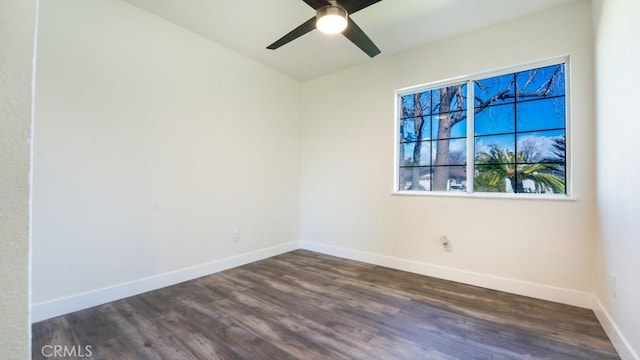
<point>332,17</point>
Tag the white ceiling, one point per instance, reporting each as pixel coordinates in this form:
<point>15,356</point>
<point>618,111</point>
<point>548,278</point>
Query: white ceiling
<point>248,26</point>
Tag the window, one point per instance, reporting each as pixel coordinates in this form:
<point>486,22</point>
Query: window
<point>503,132</point>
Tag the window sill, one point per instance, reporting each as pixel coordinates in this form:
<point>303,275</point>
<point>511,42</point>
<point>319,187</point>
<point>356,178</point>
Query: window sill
<point>507,196</point>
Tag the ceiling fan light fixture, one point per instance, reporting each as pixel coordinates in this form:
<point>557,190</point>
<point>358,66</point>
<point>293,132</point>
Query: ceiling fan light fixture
<point>332,19</point>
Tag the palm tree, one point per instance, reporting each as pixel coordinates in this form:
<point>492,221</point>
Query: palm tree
<point>495,166</point>
<point>557,159</point>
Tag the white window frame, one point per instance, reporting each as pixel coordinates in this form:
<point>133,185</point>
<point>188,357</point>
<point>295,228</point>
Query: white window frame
<point>470,132</point>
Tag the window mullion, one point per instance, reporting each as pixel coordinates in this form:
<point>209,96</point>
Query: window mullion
<point>470,136</point>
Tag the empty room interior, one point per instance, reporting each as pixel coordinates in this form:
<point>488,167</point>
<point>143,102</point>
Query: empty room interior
<point>451,179</point>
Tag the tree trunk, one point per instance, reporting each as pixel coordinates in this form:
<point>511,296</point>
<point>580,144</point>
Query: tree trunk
<point>445,121</point>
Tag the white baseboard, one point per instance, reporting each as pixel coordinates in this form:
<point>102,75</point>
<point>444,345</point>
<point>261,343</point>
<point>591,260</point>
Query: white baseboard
<point>61,306</point>
<point>618,339</point>
<point>539,291</point>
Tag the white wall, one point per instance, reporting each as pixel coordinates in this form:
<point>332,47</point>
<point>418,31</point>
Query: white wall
<point>618,126</point>
<point>152,145</point>
<point>347,171</point>
<point>17,29</point>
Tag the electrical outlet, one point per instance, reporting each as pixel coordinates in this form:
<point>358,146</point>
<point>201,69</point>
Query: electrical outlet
<point>612,285</point>
<point>444,241</point>
<point>235,235</point>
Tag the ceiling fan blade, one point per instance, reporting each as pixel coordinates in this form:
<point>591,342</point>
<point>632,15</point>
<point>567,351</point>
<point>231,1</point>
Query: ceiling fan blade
<point>353,6</point>
<point>317,4</point>
<point>358,37</point>
<point>295,33</point>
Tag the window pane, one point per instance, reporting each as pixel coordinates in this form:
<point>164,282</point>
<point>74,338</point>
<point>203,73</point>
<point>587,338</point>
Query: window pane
<point>413,129</point>
<point>540,179</point>
<point>424,132</point>
<point>494,178</point>
<point>415,153</point>
<point>417,179</point>
<point>542,82</point>
<point>494,91</point>
<point>449,178</point>
<point>495,120</point>
<point>459,128</point>
<point>450,98</point>
<point>460,102</point>
<point>541,114</point>
<point>458,178</point>
<point>495,149</point>
<point>407,130</point>
<point>406,154</point>
<point>454,153</point>
<point>541,146</point>
<point>416,104</point>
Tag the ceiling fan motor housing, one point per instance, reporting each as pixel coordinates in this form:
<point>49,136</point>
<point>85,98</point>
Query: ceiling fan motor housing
<point>332,19</point>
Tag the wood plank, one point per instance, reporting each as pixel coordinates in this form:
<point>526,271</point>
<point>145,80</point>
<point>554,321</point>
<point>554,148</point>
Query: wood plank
<point>306,305</point>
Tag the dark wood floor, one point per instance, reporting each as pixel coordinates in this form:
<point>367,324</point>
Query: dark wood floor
<point>305,305</point>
